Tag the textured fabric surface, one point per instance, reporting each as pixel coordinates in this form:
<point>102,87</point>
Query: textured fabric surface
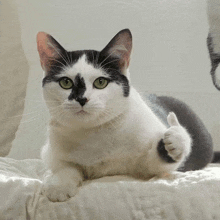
<point>190,195</point>
<point>13,76</point>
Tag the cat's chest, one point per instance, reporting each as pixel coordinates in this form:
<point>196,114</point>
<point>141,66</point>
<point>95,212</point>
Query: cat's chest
<point>130,136</point>
<point>92,148</point>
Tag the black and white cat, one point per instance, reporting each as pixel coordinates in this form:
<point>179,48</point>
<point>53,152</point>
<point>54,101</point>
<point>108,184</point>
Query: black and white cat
<point>101,126</point>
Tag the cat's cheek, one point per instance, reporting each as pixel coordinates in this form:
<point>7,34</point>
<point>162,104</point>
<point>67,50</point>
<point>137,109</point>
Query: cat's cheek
<point>54,96</point>
<point>96,103</point>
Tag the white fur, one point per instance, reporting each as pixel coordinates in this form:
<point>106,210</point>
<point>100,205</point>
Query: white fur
<point>118,135</point>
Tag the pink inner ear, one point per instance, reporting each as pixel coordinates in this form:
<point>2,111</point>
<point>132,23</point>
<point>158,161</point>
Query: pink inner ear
<point>44,48</point>
<point>120,46</point>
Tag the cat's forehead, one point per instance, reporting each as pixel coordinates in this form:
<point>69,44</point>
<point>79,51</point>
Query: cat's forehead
<point>84,67</point>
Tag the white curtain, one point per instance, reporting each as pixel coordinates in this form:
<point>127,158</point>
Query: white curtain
<point>13,75</point>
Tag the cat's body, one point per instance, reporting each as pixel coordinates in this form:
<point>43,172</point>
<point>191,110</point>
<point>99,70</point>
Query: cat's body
<point>101,126</point>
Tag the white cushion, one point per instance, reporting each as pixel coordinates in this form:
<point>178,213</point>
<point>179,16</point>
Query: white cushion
<point>190,195</point>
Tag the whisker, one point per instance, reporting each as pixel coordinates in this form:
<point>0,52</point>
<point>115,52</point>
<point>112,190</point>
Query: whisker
<point>112,69</point>
<point>71,58</point>
<point>51,109</point>
<point>58,62</point>
<point>39,101</point>
<point>58,67</point>
<point>23,115</point>
<point>107,57</point>
<point>30,120</point>
<point>67,56</point>
<point>93,58</point>
<point>59,114</point>
<point>109,62</point>
<point>97,57</point>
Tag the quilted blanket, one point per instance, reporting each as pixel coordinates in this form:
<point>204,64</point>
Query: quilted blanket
<point>190,195</point>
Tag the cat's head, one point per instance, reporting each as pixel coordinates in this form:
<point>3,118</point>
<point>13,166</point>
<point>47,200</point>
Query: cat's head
<point>86,86</point>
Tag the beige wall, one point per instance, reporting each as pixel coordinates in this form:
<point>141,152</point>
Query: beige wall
<point>169,55</point>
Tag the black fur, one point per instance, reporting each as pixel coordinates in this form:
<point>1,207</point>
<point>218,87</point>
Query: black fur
<point>216,157</point>
<point>215,60</point>
<point>202,148</point>
<point>50,78</point>
<point>111,66</point>
<point>163,153</point>
<point>78,90</point>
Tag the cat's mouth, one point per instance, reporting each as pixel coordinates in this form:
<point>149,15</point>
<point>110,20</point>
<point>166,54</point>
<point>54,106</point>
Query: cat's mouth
<point>82,112</point>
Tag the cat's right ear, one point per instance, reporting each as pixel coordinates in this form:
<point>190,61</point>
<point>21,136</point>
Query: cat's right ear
<point>120,48</point>
<point>49,50</point>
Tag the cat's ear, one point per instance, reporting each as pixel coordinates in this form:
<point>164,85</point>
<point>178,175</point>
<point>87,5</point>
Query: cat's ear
<point>120,48</point>
<point>49,49</point>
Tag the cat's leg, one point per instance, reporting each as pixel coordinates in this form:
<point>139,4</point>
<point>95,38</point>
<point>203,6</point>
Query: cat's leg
<point>62,179</point>
<point>202,146</point>
<point>62,184</point>
<point>168,150</point>
<point>176,144</point>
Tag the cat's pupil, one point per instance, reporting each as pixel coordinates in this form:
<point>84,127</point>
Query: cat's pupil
<point>101,81</point>
<point>66,81</point>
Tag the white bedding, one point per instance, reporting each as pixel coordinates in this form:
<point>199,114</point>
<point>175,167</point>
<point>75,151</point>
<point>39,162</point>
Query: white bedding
<point>191,195</point>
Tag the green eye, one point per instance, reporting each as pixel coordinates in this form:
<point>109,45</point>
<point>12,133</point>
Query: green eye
<point>100,83</point>
<point>66,83</point>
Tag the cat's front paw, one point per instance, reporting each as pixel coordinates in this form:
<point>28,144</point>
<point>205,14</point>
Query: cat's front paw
<point>176,139</point>
<point>57,189</point>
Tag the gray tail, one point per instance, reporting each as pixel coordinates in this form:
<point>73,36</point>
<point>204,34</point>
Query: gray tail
<point>216,157</point>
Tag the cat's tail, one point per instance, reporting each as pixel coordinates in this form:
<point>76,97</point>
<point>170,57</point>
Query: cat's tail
<point>216,157</point>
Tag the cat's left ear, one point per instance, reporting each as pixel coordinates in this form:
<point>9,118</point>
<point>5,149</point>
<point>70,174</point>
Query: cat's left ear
<point>120,48</point>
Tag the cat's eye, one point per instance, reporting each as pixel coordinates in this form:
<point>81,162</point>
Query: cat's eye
<point>100,83</point>
<point>66,83</point>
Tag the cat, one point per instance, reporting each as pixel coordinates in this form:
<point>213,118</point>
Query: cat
<point>101,126</point>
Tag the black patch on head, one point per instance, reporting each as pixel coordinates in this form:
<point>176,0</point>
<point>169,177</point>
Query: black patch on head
<point>163,153</point>
<point>111,66</point>
<point>49,78</point>
<point>59,64</point>
<point>78,90</point>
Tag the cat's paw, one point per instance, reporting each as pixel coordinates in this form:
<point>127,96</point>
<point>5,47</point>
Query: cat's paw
<point>57,189</point>
<point>176,139</point>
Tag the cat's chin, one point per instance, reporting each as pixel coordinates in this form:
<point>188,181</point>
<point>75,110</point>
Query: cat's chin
<point>83,116</point>
<point>76,119</point>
